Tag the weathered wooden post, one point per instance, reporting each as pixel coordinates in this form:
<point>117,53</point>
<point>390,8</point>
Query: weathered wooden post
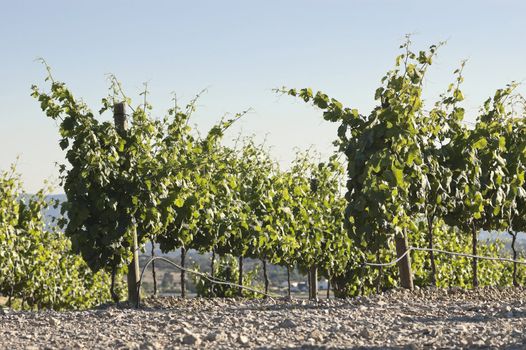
<point>313,271</point>
<point>154,275</point>
<point>404,265</point>
<point>265,276</point>
<point>240,278</point>
<point>313,283</point>
<point>121,124</point>
<point>183,275</point>
<point>288,282</point>
<point>474,252</point>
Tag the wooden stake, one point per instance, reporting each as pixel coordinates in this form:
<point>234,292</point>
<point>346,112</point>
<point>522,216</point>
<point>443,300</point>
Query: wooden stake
<point>404,265</point>
<point>313,286</point>
<point>154,275</point>
<point>121,125</point>
<point>240,279</point>
<point>265,276</point>
<point>288,282</point>
<point>474,252</point>
<point>133,271</point>
<point>183,275</point>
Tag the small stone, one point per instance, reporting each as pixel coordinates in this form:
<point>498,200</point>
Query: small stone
<point>150,346</point>
<point>287,323</point>
<point>243,339</point>
<point>316,335</point>
<point>54,322</point>
<point>191,339</point>
<point>335,328</point>
<point>186,330</point>
<point>185,325</point>
<point>216,336</point>
<point>479,343</point>
<point>365,333</point>
<point>435,332</point>
<point>121,344</point>
<point>262,340</point>
<point>453,290</point>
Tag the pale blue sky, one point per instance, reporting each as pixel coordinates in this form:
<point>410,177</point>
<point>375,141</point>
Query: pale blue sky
<point>241,50</point>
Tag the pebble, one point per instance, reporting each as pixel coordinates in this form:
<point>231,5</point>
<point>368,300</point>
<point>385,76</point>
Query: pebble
<point>316,335</point>
<point>365,333</point>
<point>191,339</point>
<point>54,322</point>
<point>216,336</point>
<point>150,346</point>
<point>287,323</point>
<point>243,339</point>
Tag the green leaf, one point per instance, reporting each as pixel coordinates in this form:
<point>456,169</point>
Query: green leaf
<point>398,174</point>
<point>480,144</point>
<point>64,143</point>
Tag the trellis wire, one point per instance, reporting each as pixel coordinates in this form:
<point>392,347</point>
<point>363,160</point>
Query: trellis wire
<point>391,263</point>
<point>483,257</point>
<point>204,275</point>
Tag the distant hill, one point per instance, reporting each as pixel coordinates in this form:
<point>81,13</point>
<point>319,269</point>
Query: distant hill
<point>55,212</point>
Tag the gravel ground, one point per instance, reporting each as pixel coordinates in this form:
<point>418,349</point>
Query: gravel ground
<point>436,319</point>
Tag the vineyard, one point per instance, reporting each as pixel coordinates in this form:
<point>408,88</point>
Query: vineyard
<point>404,183</point>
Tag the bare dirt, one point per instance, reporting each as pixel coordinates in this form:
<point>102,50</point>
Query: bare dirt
<point>487,318</point>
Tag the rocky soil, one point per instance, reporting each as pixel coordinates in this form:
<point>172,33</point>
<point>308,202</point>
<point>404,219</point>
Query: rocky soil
<point>436,319</point>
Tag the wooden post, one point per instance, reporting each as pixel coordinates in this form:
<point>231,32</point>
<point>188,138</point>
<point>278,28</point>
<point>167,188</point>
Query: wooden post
<point>114,295</point>
<point>513,240</point>
<point>212,267</point>
<point>133,271</point>
<point>265,276</point>
<point>309,283</point>
<point>404,265</point>
<point>380,272</point>
<point>240,278</point>
<point>288,282</point>
<point>119,117</point>
<point>433,280</point>
<point>474,252</point>
<point>183,274</point>
<point>212,263</point>
<point>313,285</point>
<point>154,275</point>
